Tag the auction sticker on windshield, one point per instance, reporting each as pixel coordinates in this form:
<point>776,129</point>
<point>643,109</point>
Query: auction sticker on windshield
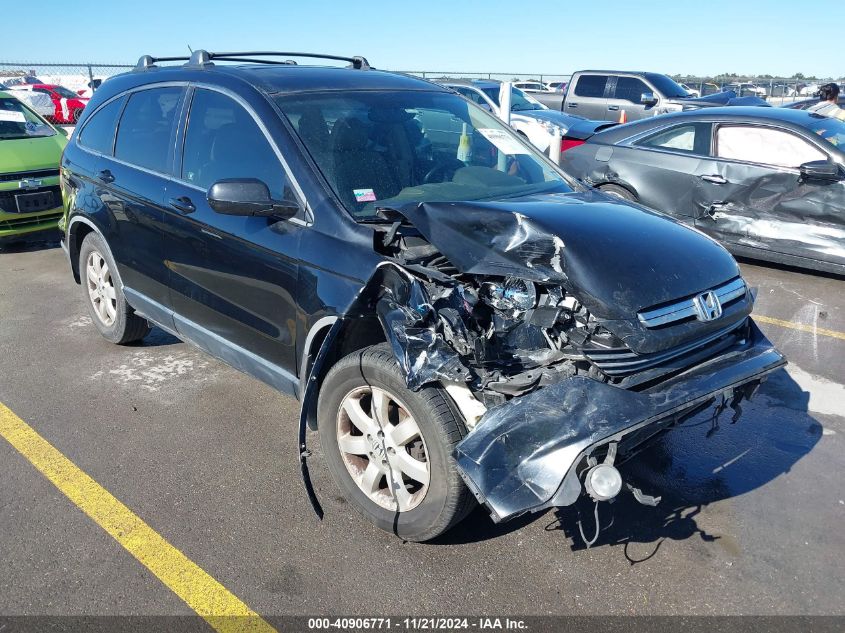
<point>15,116</point>
<point>503,141</point>
<point>364,195</point>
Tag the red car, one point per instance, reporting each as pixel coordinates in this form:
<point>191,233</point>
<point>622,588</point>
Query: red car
<point>68,106</point>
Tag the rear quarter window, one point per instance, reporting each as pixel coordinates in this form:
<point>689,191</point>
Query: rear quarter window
<point>98,133</point>
<point>692,138</point>
<point>146,128</point>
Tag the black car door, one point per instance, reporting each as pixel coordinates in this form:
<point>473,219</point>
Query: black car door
<point>233,278</point>
<point>129,180</point>
<point>755,198</point>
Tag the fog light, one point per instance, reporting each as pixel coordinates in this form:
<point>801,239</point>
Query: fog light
<point>603,482</point>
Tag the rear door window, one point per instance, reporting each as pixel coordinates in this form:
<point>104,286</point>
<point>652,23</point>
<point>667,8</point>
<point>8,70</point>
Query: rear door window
<point>224,141</point>
<point>590,86</point>
<point>764,145</point>
<point>693,138</point>
<point>146,128</point>
<point>98,133</point>
<point>630,89</point>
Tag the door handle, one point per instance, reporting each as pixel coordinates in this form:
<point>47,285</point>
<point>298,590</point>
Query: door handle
<point>571,105</point>
<point>106,176</point>
<point>716,179</point>
<point>182,204</point>
<point>616,107</point>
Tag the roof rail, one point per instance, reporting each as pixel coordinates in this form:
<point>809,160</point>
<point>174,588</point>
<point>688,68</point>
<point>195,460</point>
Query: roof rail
<point>201,57</point>
<point>357,62</point>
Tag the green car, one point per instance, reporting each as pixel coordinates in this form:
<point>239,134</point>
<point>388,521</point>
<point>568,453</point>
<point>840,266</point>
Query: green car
<point>30,151</point>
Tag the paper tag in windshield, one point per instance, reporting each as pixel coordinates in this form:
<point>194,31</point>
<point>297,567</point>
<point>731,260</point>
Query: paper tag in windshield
<point>503,141</point>
<point>15,116</point>
<point>364,195</point>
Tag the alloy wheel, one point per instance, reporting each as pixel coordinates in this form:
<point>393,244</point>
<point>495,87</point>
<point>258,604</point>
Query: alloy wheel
<point>101,291</point>
<point>382,448</point>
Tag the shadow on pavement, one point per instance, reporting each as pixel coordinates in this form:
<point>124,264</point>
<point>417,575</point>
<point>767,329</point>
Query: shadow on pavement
<point>690,467</point>
<point>156,338</point>
<point>28,244</point>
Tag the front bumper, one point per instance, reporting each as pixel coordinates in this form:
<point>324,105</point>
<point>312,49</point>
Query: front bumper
<point>522,455</point>
<point>16,225</point>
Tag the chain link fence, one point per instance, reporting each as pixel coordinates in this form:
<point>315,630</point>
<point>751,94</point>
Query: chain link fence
<point>75,77</point>
<point>86,77</point>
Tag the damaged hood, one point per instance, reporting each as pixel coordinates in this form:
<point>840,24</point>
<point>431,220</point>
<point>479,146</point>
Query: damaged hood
<point>616,258</point>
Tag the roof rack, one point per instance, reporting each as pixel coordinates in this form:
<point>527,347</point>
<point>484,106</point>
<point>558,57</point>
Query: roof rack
<point>201,58</point>
<point>148,61</point>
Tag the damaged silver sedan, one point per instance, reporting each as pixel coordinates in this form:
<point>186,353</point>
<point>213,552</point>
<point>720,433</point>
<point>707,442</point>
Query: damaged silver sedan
<point>525,334</point>
<point>768,183</point>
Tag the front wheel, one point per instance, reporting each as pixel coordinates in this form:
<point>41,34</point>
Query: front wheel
<point>389,449</point>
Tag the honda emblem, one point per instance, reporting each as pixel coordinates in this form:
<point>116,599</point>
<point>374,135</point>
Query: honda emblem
<point>707,306</point>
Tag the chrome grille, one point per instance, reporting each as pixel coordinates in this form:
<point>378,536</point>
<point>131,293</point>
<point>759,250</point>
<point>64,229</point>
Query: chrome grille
<point>686,309</point>
<point>22,175</point>
<point>620,362</point>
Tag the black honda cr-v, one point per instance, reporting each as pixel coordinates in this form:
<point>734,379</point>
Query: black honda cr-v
<point>460,320</point>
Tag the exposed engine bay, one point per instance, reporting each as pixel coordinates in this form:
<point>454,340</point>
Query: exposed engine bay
<point>504,336</point>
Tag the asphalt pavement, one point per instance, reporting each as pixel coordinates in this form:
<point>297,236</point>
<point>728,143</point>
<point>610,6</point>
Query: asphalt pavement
<point>750,521</point>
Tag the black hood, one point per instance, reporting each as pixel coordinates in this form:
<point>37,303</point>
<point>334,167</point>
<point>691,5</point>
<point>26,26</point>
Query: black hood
<point>616,258</point>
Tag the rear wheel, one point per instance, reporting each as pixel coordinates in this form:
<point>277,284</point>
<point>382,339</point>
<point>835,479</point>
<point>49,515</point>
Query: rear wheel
<point>113,317</point>
<point>619,192</point>
<point>389,449</point>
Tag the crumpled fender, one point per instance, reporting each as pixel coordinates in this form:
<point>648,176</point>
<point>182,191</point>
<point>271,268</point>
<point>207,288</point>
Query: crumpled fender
<point>522,455</point>
<point>408,319</point>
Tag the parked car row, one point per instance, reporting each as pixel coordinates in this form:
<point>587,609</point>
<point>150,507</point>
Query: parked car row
<point>529,117</point>
<point>67,105</point>
<point>769,183</point>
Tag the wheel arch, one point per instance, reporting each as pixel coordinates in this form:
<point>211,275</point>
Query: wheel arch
<point>330,339</point>
<point>621,184</point>
<point>78,228</point>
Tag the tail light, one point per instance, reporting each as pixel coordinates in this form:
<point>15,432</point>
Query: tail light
<point>569,143</point>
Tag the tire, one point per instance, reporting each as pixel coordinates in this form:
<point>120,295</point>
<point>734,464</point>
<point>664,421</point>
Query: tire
<point>426,511</point>
<point>619,192</point>
<point>103,292</point>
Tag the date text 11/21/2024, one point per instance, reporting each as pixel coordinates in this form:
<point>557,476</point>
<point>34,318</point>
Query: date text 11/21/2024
<point>417,624</point>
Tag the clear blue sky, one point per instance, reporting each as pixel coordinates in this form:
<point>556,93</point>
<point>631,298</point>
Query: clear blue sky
<point>778,37</point>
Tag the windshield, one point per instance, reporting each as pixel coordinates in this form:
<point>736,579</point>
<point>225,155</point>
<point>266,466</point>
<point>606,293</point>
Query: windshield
<point>520,101</point>
<point>385,149</point>
<point>64,92</point>
<point>831,130</point>
<point>18,121</point>
<point>666,86</point>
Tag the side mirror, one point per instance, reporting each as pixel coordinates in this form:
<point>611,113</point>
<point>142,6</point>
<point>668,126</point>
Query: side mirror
<point>648,98</point>
<point>823,170</point>
<point>248,196</point>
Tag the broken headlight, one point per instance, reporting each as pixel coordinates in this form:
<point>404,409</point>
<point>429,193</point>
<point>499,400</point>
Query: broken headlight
<point>511,295</point>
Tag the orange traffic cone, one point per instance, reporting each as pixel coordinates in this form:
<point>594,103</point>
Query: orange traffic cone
<point>623,117</point>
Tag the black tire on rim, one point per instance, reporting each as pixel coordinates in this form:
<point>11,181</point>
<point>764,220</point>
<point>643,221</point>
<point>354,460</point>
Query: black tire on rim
<point>103,292</point>
<point>619,192</point>
<point>389,449</point>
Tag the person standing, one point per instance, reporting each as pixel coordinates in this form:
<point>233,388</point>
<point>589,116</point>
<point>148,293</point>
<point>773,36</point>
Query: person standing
<point>828,106</point>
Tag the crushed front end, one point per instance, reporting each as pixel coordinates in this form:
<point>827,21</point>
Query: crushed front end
<point>561,360</point>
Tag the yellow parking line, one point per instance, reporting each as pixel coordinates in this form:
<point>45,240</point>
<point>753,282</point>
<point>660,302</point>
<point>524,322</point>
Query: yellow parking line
<point>812,329</point>
<point>211,600</point>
